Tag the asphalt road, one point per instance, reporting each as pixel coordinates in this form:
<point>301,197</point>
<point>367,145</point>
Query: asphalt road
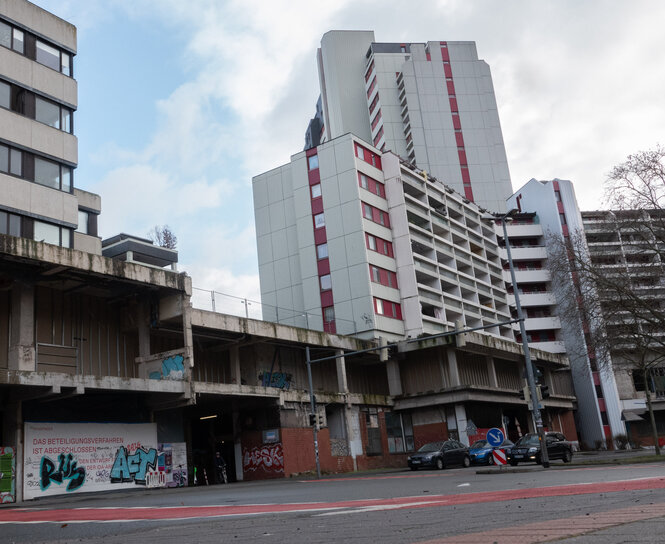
<point>608,504</point>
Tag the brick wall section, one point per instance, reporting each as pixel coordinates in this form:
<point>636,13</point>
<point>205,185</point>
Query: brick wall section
<point>299,453</point>
<point>249,441</point>
<point>431,432</point>
<point>385,460</point>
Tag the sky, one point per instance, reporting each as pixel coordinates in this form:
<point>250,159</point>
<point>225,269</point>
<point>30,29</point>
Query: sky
<point>182,102</point>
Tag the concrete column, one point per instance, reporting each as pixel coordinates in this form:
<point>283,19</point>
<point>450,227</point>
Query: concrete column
<point>143,324</point>
<point>453,370</point>
<point>460,416</point>
<point>491,372</point>
<point>340,362</point>
<point>22,326</point>
<point>353,437</point>
<point>237,445</point>
<point>188,339</point>
<point>234,359</point>
<point>13,436</point>
<point>394,378</point>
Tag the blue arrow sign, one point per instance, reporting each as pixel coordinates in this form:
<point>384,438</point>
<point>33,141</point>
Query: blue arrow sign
<point>495,437</point>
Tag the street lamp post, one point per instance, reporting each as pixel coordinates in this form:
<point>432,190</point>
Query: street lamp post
<point>535,408</point>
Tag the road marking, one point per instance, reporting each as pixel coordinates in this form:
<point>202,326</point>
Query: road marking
<point>557,529</point>
<point>463,485</point>
<point>169,513</point>
<point>351,479</point>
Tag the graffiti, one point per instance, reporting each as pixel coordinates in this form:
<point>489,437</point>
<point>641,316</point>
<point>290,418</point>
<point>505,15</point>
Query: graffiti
<point>128,468</point>
<point>180,478</point>
<point>280,380</point>
<point>67,470</point>
<point>7,475</point>
<point>269,458</point>
<point>173,368</point>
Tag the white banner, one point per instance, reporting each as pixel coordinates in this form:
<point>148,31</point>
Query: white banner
<point>73,457</point>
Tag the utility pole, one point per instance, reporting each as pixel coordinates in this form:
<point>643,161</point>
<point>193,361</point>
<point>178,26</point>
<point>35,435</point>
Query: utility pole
<point>535,408</point>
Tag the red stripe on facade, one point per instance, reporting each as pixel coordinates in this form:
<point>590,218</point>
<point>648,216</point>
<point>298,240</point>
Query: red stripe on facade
<point>457,124</point>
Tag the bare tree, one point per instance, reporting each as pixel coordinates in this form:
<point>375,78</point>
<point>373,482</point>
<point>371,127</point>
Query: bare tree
<point>163,236</point>
<point>615,274</point>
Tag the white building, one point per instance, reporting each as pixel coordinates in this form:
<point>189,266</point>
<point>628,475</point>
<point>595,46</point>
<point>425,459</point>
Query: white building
<point>599,413</point>
<point>431,103</point>
<point>38,149</point>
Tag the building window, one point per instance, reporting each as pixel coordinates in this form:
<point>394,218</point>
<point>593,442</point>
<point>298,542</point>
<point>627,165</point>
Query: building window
<point>51,174</point>
<point>383,276</point>
<point>316,190</point>
<point>363,181</point>
<point>319,221</point>
<point>47,112</point>
<point>51,234</point>
<point>5,95</point>
<point>373,432</point>
<point>322,251</point>
<point>379,245</point>
<point>313,162</point>
<point>375,101</point>
<point>387,308</point>
<point>367,211</point>
<point>375,273</point>
<point>10,223</point>
<point>83,222</point>
<point>562,218</point>
<point>329,314</point>
<point>399,429</point>
<point>326,282</point>
<point>371,87</point>
<point>35,107</point>
<point>557,195</point>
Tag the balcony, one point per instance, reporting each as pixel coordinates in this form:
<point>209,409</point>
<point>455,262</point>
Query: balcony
<point>540,323</point>
<point>553,347</point>
<point>541,275</point>
<point>528,253</point>
<point>533,299</point>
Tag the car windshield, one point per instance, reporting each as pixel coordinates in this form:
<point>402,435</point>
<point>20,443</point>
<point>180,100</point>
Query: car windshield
<point>432,446</point>
<point>507,443</point>
<point>528,440</point>
<point>478,444</point>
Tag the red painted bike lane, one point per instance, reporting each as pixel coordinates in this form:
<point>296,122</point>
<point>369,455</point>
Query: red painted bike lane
<point>113,514</point>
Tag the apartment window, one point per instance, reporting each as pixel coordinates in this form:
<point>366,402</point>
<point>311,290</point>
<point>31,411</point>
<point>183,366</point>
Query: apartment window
<point>383,276</point>
<point>48,55</point>
<point>557,195</point>
<point>329,314</point>
<point>11,38</point>
<point>375,101</point>
<point>360,152</point>
<point>319,221</point>
<point>326,282</point>
<point>5,95</point>
<point>376,119</point>
<point>363,181</point>
<point>562,218</point>
<point>10,223</point>
<point>11,161</point>
<point>371,242</point>
<point>376,273</point>
<point>367,211</point>
<point>387,308</point>
<point>47,112</point>
<point>322,251</point>
<point>45,232</point>
<point>379,245</point>
<point>369,71</point>
<point>83,222</point>
<point>378,136</point>
<point>316,190</point>
<point>313,162</point>
<point>371,88</point>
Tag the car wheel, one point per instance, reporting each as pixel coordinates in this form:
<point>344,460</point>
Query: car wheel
<point>567,456</point>
<point>466,462</point>
<point>513,463</point>
<point>490,459</point>
<point>439,464</point>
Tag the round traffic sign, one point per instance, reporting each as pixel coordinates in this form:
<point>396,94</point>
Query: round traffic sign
<point>495,437</point>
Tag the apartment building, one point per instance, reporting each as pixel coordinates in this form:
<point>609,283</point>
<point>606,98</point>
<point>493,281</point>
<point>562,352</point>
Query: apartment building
<point>360,242</point>
<point>432,104</point>
<point>627,244</point>
<point>38,149</point>
<point>599,414</point>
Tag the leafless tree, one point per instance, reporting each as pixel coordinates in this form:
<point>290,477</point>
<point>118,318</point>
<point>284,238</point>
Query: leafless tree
<point>163,236</point>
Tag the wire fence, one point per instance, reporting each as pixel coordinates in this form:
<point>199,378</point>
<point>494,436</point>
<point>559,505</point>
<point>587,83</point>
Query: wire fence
<point>223,303</point>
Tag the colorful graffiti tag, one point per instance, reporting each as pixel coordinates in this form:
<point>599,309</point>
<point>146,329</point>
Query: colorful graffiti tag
<point>173,368</point>
<point>67,470</point>
<point>268,458</point>
<point>280,380</point>
<point>134,467</point>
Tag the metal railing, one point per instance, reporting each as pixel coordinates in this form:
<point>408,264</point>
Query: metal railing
<point>214,301</point>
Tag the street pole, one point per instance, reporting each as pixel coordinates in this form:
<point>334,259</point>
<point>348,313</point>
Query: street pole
<point>312,407</point>
<point>535,408</point>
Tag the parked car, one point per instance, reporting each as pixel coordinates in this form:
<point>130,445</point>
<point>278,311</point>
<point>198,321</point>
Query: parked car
<point>481,452</point>
<point>440,455</point>
<point>527,449</point>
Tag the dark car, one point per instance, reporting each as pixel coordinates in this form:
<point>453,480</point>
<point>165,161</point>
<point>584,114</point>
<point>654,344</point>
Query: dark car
<point>440,455</point>
<point>481,452</point>
<point>527,449</point>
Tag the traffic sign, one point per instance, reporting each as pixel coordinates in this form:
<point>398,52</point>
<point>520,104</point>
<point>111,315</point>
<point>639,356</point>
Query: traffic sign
<point>495,437</point>
<point>499,457</point>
